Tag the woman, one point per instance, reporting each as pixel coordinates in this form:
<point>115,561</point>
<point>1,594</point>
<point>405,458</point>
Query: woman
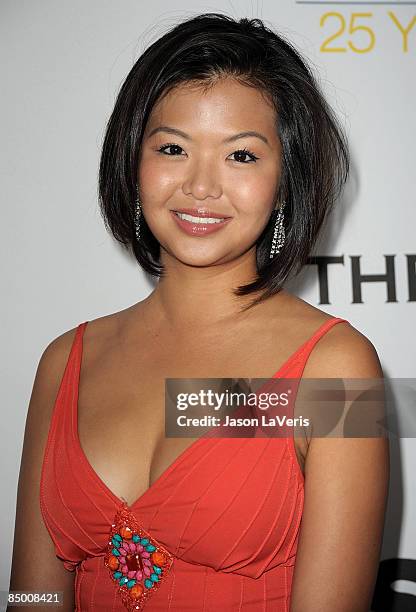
<point>220,163</point>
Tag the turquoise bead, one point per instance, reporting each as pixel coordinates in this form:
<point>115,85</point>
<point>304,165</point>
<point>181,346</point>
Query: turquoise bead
<point>116,552</point>
<point>131,583</point>
<point>145,541</point>
<point>148,583</point>
<point>150,548</point>
<point>154,577</point>
<point>116,542</point>
<point>117,575</point>
<point>118,537</point>
<point>136,538</point>
<point>123,580</point>
<point>157,569</point>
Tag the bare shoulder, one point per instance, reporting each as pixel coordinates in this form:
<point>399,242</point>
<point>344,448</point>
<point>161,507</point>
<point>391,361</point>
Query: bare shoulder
<point>50,369</point>
<point>343,352</point>
<point>99,336</point>
<point>59,347</point>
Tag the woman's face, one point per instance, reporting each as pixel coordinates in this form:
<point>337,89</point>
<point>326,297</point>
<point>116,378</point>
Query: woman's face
<point>194,156</point>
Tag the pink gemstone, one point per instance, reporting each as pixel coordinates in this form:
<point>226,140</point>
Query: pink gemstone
<point>124,569</point>
<point>140,547</point>
<point>131,574</point>
<point>147,570</point>
<point>139,574</point>
<point>132,547</point>
<point>122,559</point>
<point>124,550</point>
<point>145,554</point>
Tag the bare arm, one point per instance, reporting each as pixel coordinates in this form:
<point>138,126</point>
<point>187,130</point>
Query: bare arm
<point>35,566</point>
<point>346,487</point>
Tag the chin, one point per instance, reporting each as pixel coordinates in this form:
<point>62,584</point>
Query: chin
<point>198,259</point>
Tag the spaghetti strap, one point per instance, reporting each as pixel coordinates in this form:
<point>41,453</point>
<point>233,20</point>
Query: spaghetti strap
<point>70,373</point>
<point>298,360</point>
<point>76,342</point>
<point>80,330</point>
<point>322,331</point>
<point>76,349</point>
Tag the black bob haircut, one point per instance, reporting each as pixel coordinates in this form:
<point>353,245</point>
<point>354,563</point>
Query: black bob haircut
<point>315,158</point>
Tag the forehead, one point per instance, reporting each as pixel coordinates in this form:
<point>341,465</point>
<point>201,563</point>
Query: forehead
<point>226,105</point>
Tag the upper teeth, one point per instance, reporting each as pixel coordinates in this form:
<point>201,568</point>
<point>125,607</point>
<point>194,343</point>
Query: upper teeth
<point>186,217</point>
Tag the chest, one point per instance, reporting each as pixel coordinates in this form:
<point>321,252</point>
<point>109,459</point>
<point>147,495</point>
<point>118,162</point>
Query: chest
<point>121,402</point>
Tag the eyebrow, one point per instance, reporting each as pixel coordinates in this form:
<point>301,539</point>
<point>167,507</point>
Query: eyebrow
<point>171,130</point>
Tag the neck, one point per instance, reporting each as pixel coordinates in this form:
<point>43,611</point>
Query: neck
<point>189,295</point>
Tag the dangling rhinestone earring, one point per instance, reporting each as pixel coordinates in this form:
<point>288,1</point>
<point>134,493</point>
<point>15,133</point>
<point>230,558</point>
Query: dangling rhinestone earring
<point>279,232</point>
<point>137,215</point>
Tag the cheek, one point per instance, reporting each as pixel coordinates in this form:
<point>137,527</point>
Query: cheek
<point>254,197</point>
<point>155,180</point>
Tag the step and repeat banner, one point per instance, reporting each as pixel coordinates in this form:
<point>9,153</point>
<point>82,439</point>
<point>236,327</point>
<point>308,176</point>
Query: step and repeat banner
<point>63,64</point>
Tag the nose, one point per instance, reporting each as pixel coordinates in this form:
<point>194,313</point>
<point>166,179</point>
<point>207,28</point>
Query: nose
<point>202,181</point>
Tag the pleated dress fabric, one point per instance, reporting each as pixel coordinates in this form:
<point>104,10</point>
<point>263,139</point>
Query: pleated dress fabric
<point>227,509</point>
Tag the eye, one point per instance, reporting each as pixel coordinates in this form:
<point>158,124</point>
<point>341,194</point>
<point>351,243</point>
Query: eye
<point>243,153</point>
<point>168,146</point>
<point>176,150</point>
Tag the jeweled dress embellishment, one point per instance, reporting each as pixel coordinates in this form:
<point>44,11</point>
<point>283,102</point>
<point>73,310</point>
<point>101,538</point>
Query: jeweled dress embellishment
<point>137,563</point>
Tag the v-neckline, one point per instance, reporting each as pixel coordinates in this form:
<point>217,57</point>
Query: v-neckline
<point>78,346</point>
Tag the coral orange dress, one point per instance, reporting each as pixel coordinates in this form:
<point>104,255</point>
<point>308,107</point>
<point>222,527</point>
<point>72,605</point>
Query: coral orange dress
<point>218,530</point>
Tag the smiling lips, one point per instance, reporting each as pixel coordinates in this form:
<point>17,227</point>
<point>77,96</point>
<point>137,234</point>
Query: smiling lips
<point>199,222</point>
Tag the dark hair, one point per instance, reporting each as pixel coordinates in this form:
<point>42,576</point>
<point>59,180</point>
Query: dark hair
<point>315,157</point>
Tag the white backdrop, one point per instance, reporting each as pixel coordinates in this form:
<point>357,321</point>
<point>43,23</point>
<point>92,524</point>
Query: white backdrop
<point>62,66</point>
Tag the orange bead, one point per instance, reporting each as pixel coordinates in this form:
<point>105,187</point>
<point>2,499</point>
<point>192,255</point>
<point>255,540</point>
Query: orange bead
<point>113,562</point>
<point>158,558</point>
<point>136,590</point>
<point>126,533</point>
